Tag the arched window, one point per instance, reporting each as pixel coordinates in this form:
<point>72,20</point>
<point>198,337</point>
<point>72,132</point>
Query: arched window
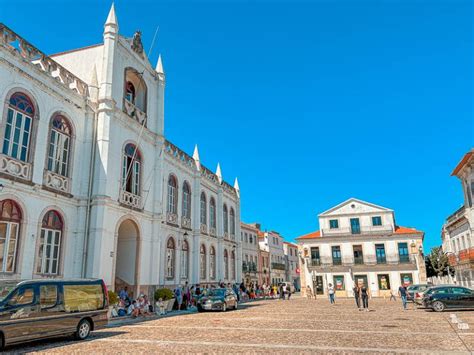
<point>10,219</point>
<point>212,263</point>
<point>131,169</point>
<point>172,195</point>
<point>203,262</point>
<point>59,146</point>
<point>232,264</point>
<point>18,125</point>
<point>185,260</point>
<point>226,265</point>
<point>186,200</point>
<point>130,92</point>
<point>212,213</point>
<point>232,221</point>
<point>226,219</point>
<point>170,258</point>
<point>49,244</point>
<point>203,209</point>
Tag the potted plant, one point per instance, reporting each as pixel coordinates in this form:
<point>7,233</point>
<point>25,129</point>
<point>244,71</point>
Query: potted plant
<point>167,296</point>
<point>113,301</point>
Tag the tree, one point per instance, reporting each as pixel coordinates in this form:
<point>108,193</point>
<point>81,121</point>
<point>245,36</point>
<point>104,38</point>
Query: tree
<point>437,263</point>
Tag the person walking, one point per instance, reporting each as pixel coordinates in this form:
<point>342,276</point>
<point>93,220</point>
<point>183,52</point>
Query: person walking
<point>331,294</point>
<point>178,293</point>
<point>356,291</point>
<point>309,292</point>
<point>364,295</point>
<point>393,295</point>
<point>402,291</point>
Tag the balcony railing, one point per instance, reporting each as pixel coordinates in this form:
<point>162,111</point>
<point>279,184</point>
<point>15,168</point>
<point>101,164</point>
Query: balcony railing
<point>367,230</point>
<point>359,261</point>
<point>249,266</point>
<point>57,182</point>
<point>212,231</point>
<point>171,218</point>
<point>129,199</point>
<point>336,261</point>
<point>455,216</point>
<point>133,111</point>
<point>14,167</point>
<point>278,266</point>
<point>366,260</point>
<point>203,228</point>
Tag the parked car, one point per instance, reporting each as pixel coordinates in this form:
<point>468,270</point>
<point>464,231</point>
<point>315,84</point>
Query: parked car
<point>218,299</point>
<point>35,309</point>
<point>289,286</point>
<point>415,293</point>
<point>440,298</point>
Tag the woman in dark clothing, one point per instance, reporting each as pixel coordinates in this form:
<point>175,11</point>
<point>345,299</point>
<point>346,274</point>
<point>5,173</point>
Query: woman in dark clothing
<point>356,291</point>
<point>364,295</point>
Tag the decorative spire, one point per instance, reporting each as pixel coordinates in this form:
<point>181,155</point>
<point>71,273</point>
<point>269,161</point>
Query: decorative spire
<point>196,157</point>
<point>112,18</point>
<point>236,187</point>
<point>94,86</point>
<point>219,173</point>
<point>159,66</point>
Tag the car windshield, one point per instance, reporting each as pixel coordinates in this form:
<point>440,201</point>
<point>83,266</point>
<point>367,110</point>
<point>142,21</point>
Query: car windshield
<point>217,292</point>
<point>6,288</point>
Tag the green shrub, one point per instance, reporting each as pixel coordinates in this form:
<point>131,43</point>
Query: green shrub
<point>113,298</point>
<point>164,294</point>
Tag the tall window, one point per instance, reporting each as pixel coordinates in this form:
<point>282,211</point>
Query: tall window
<point>49,244</point>
<point>380,253</point>
<point>336,255</point>
<point>232,221</point>
<point>377,221</point>
<point>226,219</point>
<point>403,252</point>
<point>186,200</point>
<point>59,146</point>
<point>172,195</point>
<point>10,219</point>
<point>170,257</point>
<point>333,224</point>
<point>212,263</point>
<point>203,209</point>
<point>355,226</point>
<point>131,169</point>
<point>226,265</point>
<point>212,213</point>
<point>203,262</point>
<point>185,260</point>
<point>232,264</point>
<point>135,91</point>
<point>18,127</point>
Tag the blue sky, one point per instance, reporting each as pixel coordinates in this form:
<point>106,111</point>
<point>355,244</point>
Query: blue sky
<point>308,103</point>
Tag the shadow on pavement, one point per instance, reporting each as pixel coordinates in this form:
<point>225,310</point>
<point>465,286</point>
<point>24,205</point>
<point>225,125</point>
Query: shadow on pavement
<point>51,343</point>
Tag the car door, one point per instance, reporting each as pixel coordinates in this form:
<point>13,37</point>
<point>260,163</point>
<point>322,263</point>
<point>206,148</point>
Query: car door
<point>51,317</point>
<point>20,315</point>
<point>462,297</point>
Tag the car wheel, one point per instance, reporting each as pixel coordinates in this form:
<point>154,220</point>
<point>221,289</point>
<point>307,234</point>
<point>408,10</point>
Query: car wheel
<point>224,307</point>
<point>438,306</point>
<point>83,329</point>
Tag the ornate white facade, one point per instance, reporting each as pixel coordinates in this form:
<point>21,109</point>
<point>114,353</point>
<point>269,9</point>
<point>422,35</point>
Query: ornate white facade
<point>359,242</point>
<point>91,186</point>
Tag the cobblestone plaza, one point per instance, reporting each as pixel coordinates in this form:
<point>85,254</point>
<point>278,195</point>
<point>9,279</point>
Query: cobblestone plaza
<point>273,326</point>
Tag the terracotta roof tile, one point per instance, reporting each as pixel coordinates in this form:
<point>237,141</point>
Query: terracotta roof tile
<point>311,235</point>
<point>406,230</point>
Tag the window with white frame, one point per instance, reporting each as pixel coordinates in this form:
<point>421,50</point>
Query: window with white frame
<point>131,169</point>
<point>212,213</point>
<point>18,127</point>
<point>203,261</point>
<point>10,220</point>
<point>172,195</point>
<point>170,258</point>
<point>203,209</point>
<point>232,264</point>
<point>232,221</point>
<point>212,263</point>
<point>226,265</point>
<point>186,200</point>
<point>226,218</point>
<point>59,146</point>
<point>49,244</point>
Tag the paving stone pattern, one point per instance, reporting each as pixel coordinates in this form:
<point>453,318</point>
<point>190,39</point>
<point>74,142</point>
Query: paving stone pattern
<point>273,326</point>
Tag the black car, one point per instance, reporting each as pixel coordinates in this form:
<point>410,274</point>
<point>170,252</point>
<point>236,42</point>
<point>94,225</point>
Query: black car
<point>218,299</point>
<point>439,298</point>
<point>36,309</point>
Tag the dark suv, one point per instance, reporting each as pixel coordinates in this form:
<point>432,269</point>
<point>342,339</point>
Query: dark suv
<point>36,309</point>
<point>440,298</point>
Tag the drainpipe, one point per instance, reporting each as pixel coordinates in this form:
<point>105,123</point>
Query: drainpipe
<point>89,195</point>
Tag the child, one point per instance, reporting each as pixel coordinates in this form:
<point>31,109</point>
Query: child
<point>160,305</point>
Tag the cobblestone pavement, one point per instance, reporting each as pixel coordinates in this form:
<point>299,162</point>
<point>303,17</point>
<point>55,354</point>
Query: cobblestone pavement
<point>274,326</point>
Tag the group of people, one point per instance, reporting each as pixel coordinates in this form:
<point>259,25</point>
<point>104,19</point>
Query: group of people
<point>132,307</point>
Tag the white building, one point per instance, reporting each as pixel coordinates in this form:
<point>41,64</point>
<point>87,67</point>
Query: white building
<point>359,242</point>
<point>272,242</point>
<point>291,263</point>
<point>458,231</point>
<point>250,248</point>
<point>91,186</point>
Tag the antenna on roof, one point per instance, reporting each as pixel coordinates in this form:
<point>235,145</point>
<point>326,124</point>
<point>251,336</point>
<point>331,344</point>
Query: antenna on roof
<point>153,41</point>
